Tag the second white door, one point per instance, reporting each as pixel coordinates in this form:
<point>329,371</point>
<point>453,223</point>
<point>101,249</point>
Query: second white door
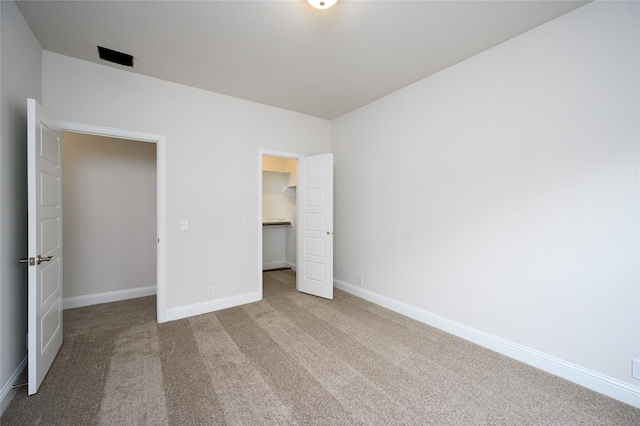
<point>315,226</point>
<point>44,194</point>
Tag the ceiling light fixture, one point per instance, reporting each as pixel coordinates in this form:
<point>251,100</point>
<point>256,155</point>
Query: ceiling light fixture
<point>322,4</point>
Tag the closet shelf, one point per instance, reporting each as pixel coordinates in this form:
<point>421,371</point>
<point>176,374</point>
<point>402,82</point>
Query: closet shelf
<point>276,222</point>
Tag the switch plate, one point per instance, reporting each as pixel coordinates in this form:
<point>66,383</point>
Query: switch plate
<point>244,221</point>
<point>184,225</point>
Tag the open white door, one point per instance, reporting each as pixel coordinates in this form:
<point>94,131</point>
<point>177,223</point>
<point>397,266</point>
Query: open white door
<point>44,170</point>
<point>315,226</point>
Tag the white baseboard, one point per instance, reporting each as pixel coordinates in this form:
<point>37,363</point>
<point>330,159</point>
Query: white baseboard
<point>7,392</point>
<point>274,265</point>
<point>278,265</point>
<point>597,382</point>
<point>107,297</point>
<point>212,306</point>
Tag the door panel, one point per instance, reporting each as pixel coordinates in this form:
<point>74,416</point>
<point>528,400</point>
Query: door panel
<point>315,226</point>
<point>49,278</point>
<point>44,169</point>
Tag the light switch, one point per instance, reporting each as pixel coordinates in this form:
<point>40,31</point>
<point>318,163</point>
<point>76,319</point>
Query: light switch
<point>244,221</point>
<point>184,225</point>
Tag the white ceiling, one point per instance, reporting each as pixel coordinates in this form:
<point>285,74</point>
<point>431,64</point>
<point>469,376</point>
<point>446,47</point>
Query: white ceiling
<point>285,53</point>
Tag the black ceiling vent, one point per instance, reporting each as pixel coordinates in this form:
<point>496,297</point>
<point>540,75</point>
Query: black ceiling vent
<point>115,57</point>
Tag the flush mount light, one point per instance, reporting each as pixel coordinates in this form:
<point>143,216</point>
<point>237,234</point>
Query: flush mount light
<point>322,4</point>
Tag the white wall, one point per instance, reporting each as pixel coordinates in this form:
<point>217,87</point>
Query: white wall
<point>212,174</point>
<point>273,198</point>
<point>20,78</point>
<point>501,194</point>
<point>109,221</point>
<point>274,247</point>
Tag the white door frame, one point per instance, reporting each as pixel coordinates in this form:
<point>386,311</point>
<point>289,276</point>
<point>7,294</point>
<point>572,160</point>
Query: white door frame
<point>270,153</point>
<point>159,140</point>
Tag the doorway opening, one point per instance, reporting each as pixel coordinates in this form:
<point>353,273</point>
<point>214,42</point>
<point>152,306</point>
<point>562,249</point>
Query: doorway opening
<point>313,230</point>
<point>153,238</point>
<point>109,204</point>
<point>277,203</point>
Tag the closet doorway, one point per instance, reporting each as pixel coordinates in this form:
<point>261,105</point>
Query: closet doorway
<point>312,226</point>
<point>159,141</point>
<point>278,174</point>
<point>110,221</point>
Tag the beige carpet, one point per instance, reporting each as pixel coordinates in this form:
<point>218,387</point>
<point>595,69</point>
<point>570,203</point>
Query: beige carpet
<point>292,359</point>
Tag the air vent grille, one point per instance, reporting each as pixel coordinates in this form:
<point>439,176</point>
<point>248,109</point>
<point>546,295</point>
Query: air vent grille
<point>115,56</point>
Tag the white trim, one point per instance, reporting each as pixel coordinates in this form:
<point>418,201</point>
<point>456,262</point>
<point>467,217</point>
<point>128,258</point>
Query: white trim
<point>212,306</point>
<point>274,265</point>
<point>597,382</point>
<point>7,393</point>
<point>107,297</point>
<point>278,265</point>
<point>291,265</point>
<point>160,141</point>
<point>281,154</point>
<point>271,153</point>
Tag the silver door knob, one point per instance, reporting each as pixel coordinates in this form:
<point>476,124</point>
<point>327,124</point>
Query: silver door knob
<point>41,259</point>
<point>36,260</point>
